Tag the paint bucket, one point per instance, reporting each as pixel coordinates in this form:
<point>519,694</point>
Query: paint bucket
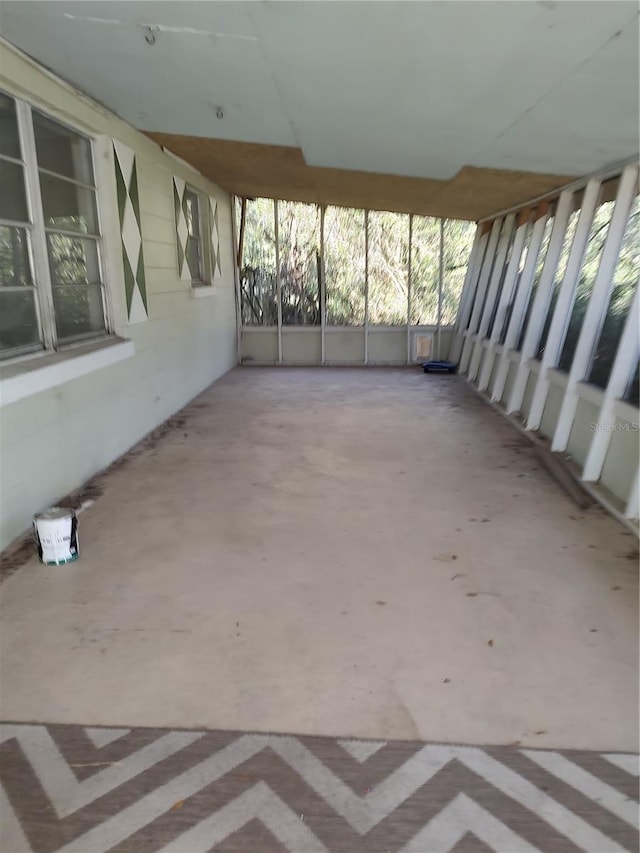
<point>56,532</point>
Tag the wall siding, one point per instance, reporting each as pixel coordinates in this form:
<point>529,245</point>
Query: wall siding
<point>51,442</point>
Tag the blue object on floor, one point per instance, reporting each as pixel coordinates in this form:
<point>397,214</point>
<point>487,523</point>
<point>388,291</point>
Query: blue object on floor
<point>439,367</point>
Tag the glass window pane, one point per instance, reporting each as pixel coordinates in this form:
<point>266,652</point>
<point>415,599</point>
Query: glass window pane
<point>193,252</point>
<point>542,254</point>
<point>61,150</point>
<point>388,268</point>
<point>258,272</point>
<point>299,235</point>
<point>558,278</point>
<point>78,310</point>
<point>625,282</point>
<point>18,321</point>
<point>13,199</point>
<point>15,270</point>
<point>73,260</point>
<point>458,242</point>
<point>588,271</point>
<point>192,212</point>
<point>522,261</point>
<point>425,266</point>
<point>9,138</point>
<point>68,206</point>
<point>344,265</point>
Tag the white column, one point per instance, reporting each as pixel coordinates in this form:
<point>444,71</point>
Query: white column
<point>409,290</point>
<point>505,297</point>
<point>521,299</point>
<point>492,293</point>
<point>631,509</point>
<point>597,307</point>
<point>276,234</point>
<point>366,287</point>
<point>541,301</point>
<point>564,303</point>
<point>468,289</point>
<point>483,281</point>
<point>322,290</point>
<point>622,371</point>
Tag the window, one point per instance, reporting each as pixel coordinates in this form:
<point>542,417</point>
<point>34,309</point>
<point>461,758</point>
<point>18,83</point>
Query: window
<point>344,265</point>
<point>258,269</point>
<point>542,254</point>
<point>625,281</point>
<point>425,267</point>
<point>197,247</point>
<point>514,292</point>
<point>51,288</point>
<point>567,243</point>
<point>388,268</point>
<point>299,239</point>
<point>588,271</point>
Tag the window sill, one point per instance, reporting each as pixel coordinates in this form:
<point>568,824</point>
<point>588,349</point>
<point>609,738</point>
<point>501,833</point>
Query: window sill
<point>199,291</point>
<point>24,378</point>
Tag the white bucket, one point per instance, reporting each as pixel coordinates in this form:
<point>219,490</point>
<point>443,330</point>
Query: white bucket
<point>56,532</point>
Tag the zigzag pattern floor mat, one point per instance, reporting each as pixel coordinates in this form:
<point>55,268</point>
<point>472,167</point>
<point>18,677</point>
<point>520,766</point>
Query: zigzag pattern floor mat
<point>69,789</point>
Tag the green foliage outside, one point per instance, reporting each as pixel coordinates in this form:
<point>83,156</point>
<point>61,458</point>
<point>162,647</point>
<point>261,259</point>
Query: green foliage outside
<point>345,265</point>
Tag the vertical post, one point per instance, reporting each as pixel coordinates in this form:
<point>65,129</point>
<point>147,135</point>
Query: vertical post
<point>409,272</point>
<point>322,289</point>
<point>631,509</point>
<point>492,293</point>
<point>468,288</point>
<point>276,232</point>
<point>236,276</point>
<point>622,371</point>
<point>564,303</point>
<point>483,281</point>
<point>520,299</point>
<point>541,302</point>
<point>440,291</point>
<point>366,287</point>
<point>597,306</point>
<point>243,216</point>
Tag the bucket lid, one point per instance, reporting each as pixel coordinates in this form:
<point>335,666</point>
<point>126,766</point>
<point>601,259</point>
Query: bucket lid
<point>55,512</point>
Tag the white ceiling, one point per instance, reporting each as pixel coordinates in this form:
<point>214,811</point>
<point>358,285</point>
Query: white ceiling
<point>406,88</point>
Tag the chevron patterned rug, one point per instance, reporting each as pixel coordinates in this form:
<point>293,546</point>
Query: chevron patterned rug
<point>88,790</point>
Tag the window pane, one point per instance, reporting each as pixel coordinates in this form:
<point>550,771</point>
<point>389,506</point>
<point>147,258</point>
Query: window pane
<point>78,310</point>
<point>258,272</point>
<point>559,276</point>
<point>458,242</point>
<point>18,322</point>
<point>516,284</point>
<point>625,281</point>
<point>15,270</point>
<point>13,199</point>
<point>73,260</point>
<point>344,265</point>
<point>590,264</point>
<point>192,213</point>
<point>299,234</point>
<point>425,266</point>
<point>68,206</point>
<point>62,150</point>
<point>9,138</point>
<point>542,254</point>
<point>193,252</point>
<point>388,268</point>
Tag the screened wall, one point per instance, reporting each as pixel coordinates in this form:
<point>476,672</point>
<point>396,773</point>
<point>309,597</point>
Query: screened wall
<point>341,285</point>
<point>548,325</point>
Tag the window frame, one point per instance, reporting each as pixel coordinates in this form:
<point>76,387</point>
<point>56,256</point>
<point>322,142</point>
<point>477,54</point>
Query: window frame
<point>37,238</point>
<point>204,237</point>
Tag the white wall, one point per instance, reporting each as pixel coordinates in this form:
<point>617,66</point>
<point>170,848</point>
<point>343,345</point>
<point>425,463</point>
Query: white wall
<point>52,441</point>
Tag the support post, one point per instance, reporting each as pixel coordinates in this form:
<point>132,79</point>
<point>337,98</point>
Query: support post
<point>322,290</point>
<point>276,232</point>
<point>440,290</point>
<point>366,287</point>
<point>409,271</point>
<point>597,307</point>
<point>468,289</point>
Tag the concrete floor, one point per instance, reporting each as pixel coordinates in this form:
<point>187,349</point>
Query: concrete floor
<point>371,553</point>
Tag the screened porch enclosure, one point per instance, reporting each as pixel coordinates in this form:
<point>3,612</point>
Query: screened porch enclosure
<point>336,285</point>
